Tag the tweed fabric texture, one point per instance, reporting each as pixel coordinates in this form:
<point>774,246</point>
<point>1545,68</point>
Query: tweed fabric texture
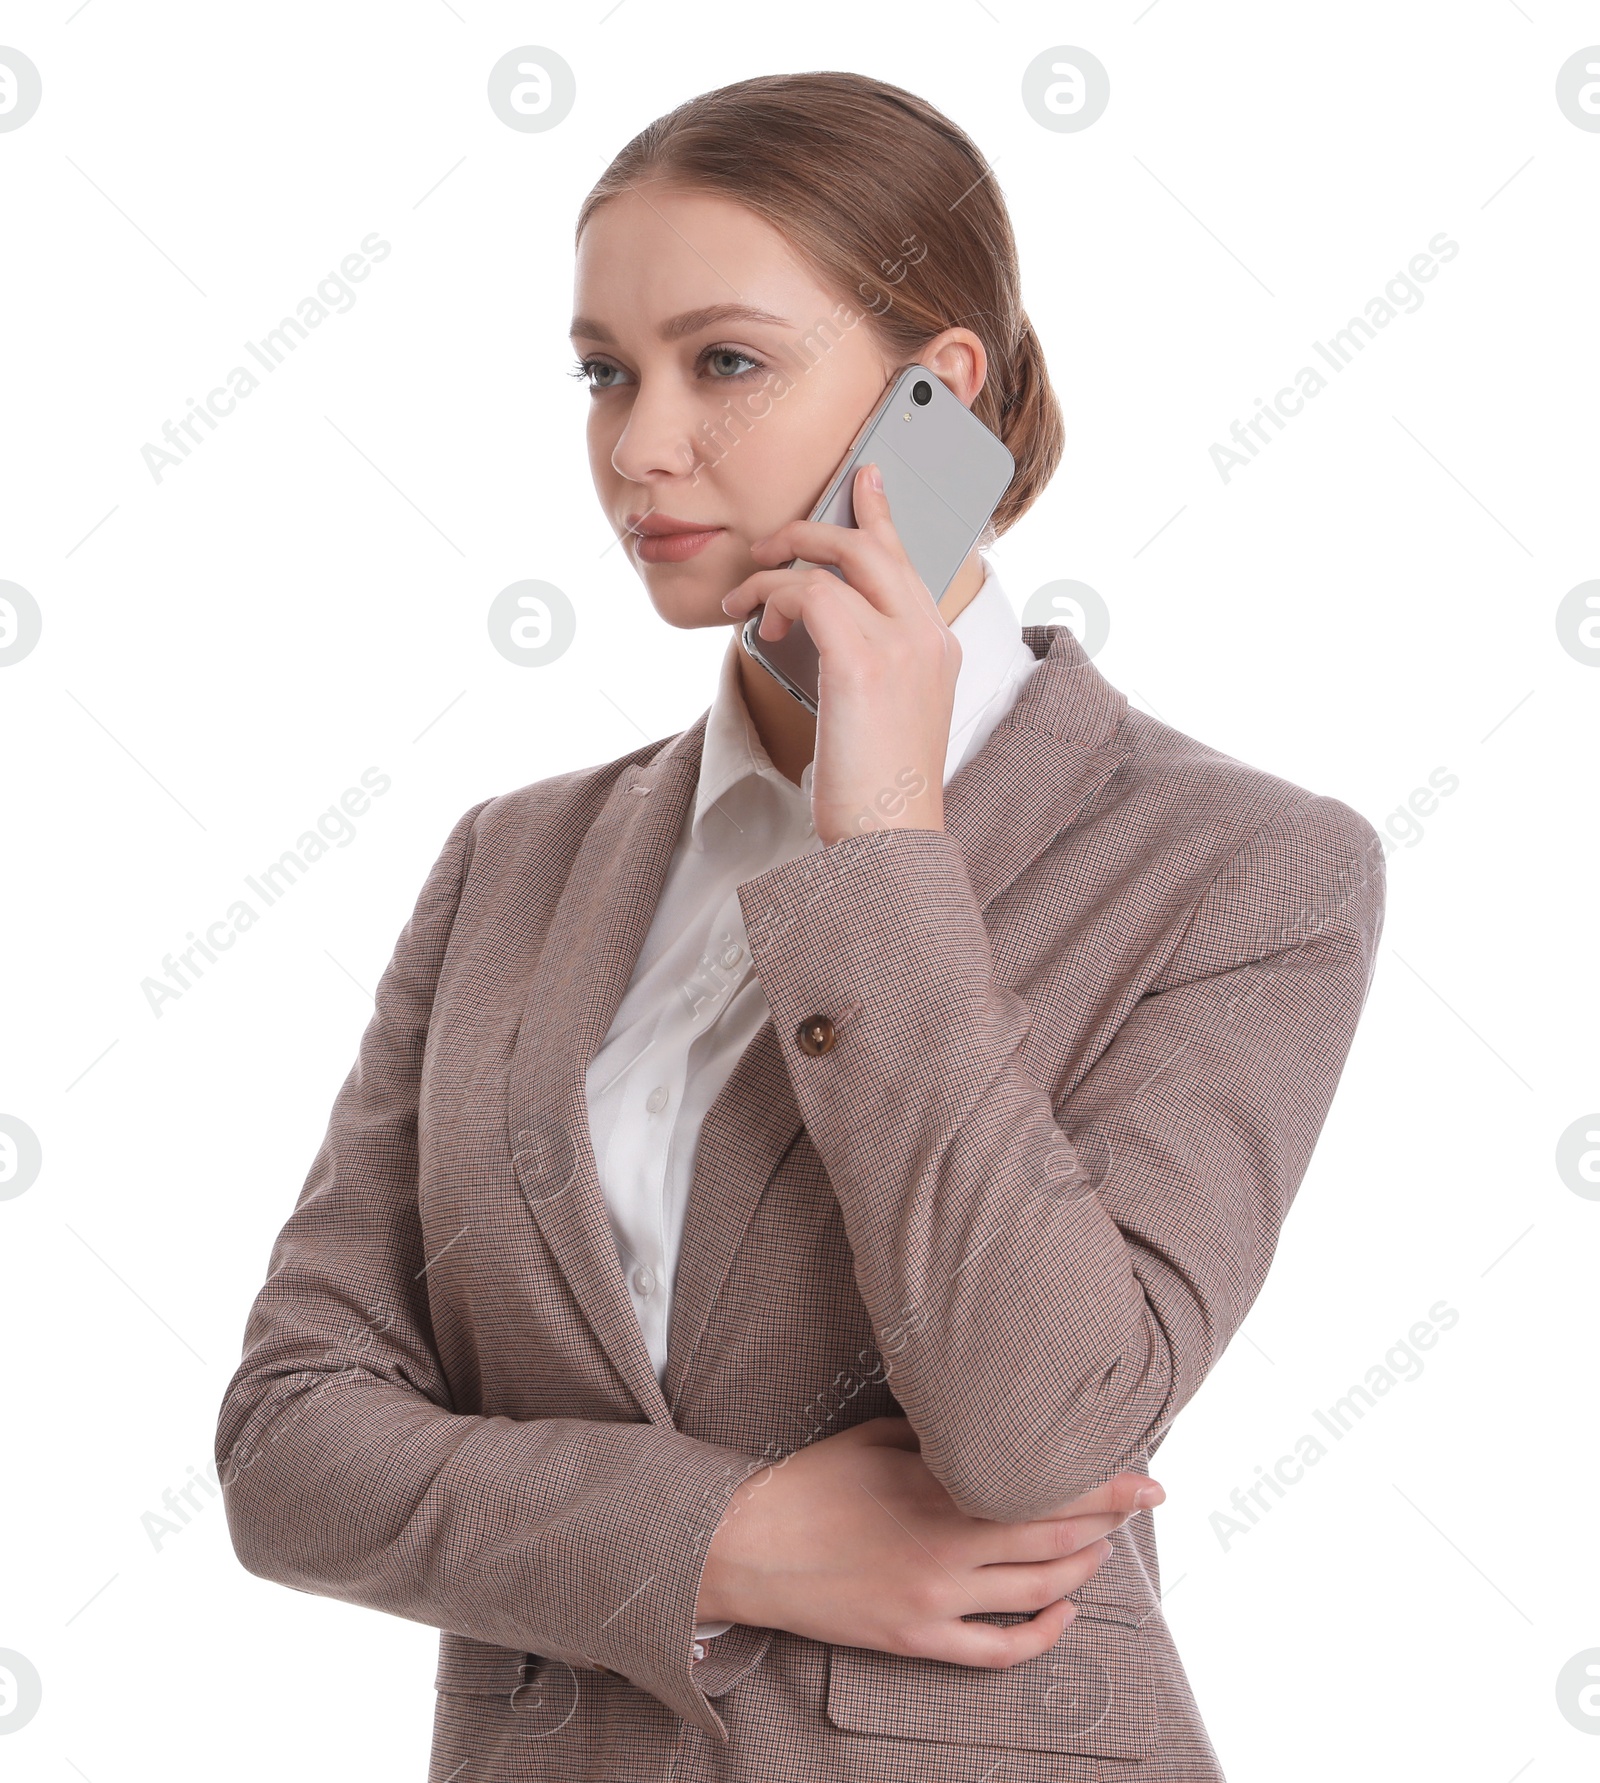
<point>1087,1037</point>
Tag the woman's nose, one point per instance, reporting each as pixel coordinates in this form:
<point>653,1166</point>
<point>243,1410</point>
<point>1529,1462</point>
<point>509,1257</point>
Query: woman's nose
<point>658,440</point>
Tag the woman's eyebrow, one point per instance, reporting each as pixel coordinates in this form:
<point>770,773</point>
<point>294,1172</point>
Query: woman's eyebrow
<point>688,323</point>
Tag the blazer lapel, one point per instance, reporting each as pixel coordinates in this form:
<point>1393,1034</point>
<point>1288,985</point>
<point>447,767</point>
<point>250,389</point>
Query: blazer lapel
<point>1031,780</point>
<point>594,941</point>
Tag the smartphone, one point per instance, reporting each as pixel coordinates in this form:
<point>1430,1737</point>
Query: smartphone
<point>944,473</point>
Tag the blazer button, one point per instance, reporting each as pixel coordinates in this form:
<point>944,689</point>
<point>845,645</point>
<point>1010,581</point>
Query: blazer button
<point>815,1035</point>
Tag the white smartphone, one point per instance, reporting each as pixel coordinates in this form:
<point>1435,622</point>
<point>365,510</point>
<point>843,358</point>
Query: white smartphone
<point>944,473</point>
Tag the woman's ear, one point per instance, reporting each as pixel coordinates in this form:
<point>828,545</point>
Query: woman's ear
<point>958,356</point>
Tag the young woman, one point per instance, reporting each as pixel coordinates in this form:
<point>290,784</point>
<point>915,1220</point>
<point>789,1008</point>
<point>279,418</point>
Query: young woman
<point>797,1171</point>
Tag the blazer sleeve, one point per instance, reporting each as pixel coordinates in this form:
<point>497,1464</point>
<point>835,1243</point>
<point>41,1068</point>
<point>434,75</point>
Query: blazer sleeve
<point>345,1469</point>
<point>1050,1288</point>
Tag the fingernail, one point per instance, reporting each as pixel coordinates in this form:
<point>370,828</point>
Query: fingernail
<point>874,476</point>
<point>1147,1496</point>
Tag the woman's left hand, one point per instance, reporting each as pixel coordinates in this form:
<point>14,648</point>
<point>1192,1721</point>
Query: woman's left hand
<point>887,682</point>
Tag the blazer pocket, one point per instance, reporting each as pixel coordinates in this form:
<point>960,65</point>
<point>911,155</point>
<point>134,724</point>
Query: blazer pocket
<point>1093,1692</point>
<point>480,1668</point>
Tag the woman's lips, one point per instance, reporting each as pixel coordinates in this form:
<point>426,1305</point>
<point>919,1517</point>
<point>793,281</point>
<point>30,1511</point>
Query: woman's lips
<point>673,547</point>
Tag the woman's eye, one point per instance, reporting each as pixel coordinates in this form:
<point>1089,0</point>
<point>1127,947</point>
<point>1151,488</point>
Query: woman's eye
<point>589,369</point>
<point>724,362</point>
<point>716,354</point>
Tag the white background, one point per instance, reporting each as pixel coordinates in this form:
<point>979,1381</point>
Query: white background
<point>224,652</point>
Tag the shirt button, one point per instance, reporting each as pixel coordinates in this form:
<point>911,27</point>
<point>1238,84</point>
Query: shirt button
<point>699,1649</point>
<point>644,1279</point>
<point>657,1099</point>
<point>815,1035</point>
<point>732,955</point>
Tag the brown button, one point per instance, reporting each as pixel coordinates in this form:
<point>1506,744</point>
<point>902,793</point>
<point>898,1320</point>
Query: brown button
<point>815,1035</point>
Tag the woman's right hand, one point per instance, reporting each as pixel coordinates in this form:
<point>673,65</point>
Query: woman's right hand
<point>851,1540</point>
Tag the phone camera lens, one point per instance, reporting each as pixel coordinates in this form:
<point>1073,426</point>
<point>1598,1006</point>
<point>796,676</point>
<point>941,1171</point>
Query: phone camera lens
<point>922,392</point>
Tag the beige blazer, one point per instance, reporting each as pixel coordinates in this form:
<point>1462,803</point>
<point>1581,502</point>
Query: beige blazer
<point>1010,1158</point>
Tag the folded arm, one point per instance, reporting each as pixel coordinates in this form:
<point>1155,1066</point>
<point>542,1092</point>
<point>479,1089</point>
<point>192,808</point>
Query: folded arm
<point>347,1472</point>
<point>1046,1304</point>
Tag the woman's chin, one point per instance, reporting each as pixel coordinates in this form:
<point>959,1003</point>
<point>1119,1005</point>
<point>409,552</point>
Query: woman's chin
<point>691,609</point>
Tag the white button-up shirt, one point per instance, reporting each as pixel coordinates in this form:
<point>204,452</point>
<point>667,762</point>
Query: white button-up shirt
<point>694,1004</point>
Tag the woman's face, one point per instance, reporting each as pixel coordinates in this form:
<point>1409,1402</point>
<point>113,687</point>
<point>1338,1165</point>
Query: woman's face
<point>701,409</point>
